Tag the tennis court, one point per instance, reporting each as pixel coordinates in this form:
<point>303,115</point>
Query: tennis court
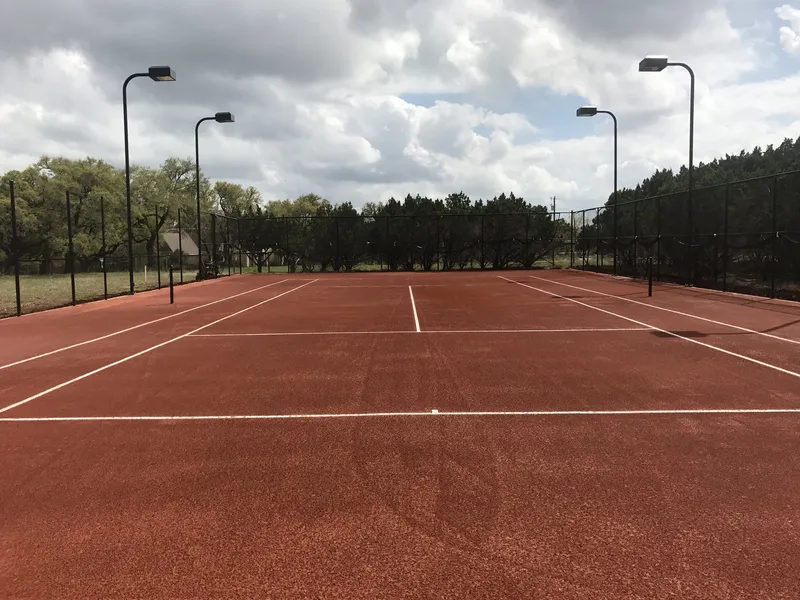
<point>520,434</point>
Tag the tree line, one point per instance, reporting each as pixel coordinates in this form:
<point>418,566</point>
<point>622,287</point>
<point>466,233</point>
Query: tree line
<point>453,232</point>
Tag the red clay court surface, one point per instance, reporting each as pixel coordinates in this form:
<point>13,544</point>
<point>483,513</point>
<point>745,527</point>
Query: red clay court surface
<point>527,434</point>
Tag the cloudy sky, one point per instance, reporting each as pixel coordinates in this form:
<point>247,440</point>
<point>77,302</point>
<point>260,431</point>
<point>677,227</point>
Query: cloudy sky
<point>363,99</point>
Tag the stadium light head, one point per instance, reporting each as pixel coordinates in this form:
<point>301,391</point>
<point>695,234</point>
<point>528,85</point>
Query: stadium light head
<point>224,117</point>
<point>587,111</point>
<point>653,64</point>
<point>161,74</point>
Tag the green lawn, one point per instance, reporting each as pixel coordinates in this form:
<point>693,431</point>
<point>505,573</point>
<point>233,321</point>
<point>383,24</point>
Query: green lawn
<point>40,292</point>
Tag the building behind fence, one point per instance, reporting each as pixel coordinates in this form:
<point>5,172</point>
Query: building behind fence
<point>739,236</point>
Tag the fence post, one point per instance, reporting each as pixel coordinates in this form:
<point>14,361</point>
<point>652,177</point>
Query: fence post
<point>616,207</point>
<point>171,285</point>
<point>774,261</point>
<point>597,243</point>
<point>158,248</point>
<point>103,250</point>
<point>15,247</point>
<point>483,261</point>
<point>336,262</point>
<point>438,244</point>
<point>180,246</point>
<point>288,252</point>
<point>650,275</point>
<point>725,239</point>
<point>571,239</point>
<point>228,257</point>
<point>239,244</point>
<point>658,239</point>
<point>70,249</point>
<point>583,238</point>
<point>213,245</point>
<point>635,238</point>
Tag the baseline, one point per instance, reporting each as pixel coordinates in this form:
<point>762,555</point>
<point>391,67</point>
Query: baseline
<point>431,413</point>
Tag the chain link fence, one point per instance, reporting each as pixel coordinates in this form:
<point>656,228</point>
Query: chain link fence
<point>741,236</point>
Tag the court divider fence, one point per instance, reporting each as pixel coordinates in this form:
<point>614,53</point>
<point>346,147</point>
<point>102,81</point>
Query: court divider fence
<point>740,236</point>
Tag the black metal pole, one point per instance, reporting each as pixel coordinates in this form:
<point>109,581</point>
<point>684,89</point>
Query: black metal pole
<point>554,228</point>
<point>197,186</point>
<point>438,244</point>
<point>103,251</point>
<point>658,240</point>
<point>483,260</point>
<point>649,275</point>
<point>286,228</point>
<point>597,242</point>
<point>774,261</point>
<point>583,238</point>
<point>336,262</point>
<point>171,285</point>
<point>70,257</point>
<point>571,239</point>
<point>691,165</point>
<point>635,239</point>
<point>725,240</point>
<point>213,245</point>
<point>239,244</point>
<point>158,248</point>
<point>15,247</point>
<point>228,255</point>
<point>616,192</point>
<point>180,246</point>
<point>128,174</point>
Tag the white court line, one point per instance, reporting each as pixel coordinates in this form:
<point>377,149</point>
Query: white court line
<point>414,306</point>
<point>146,350</point>
<point>677,312</point>
<point>608,312</point>
<point>504,413</point>
<point>293,333</point>
<point>104,337</point>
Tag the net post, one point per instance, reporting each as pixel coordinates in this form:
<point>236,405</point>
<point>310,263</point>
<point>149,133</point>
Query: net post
<point>15,247</point>
<point>70,257</point>
<point>171,285</point>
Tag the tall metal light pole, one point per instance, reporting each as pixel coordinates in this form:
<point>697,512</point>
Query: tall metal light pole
<point>655,64</point>
<point>590,111</point>
<point>220,117</point>
<point>156,74</point>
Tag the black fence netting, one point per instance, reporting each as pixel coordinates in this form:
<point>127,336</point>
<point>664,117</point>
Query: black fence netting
<point>739,236</point>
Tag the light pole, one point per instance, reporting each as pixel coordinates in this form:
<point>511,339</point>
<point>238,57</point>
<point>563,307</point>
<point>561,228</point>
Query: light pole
<point>156,74</point>
<point>655,64</point>
<point>590,111</point>
<point>220,117</point>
